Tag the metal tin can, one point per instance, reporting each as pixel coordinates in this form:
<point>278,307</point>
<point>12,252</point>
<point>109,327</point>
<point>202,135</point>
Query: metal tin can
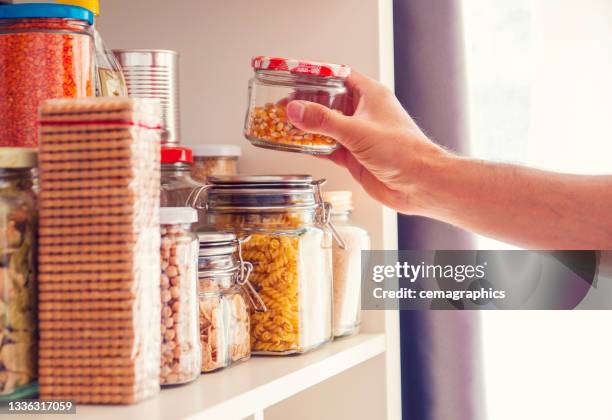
<point>153,74</point>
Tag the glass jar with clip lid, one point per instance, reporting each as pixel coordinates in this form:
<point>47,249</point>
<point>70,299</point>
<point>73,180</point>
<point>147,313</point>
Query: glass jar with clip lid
<point>290,250</point>
<point>226,301</point>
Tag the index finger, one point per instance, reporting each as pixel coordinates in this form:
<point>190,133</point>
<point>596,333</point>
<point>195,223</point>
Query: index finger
<point>361,83</point>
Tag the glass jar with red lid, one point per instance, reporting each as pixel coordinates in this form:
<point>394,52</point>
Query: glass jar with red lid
<point>275,83</point>
<point>178,188</point>
<point>46,52</point>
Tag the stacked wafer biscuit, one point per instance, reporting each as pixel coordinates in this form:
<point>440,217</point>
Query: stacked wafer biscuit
<point>99,298</point>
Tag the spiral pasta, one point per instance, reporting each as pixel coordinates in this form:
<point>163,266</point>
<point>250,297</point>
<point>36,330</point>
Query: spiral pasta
<point>278,243</point>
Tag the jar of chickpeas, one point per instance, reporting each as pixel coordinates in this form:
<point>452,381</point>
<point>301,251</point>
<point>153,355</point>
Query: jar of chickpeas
<point>290,249</point>
<point>276,82</point>
<point>225,300</point>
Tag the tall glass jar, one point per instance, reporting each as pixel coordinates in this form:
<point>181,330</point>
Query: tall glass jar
<point>347,263</point>
<point>224,294</point>
<point>18,232</point>
<point>177,185</point>
<point>290,250</point>
<point>181,351</point>
<point>279,80</point>
<point>46,52</point>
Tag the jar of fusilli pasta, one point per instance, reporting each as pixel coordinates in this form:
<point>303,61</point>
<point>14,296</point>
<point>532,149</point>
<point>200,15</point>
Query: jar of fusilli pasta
<point>225,298</point>
<point>290,250</point>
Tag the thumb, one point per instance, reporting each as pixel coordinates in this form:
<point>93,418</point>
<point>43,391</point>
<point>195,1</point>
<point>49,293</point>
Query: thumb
<point>318,119</point>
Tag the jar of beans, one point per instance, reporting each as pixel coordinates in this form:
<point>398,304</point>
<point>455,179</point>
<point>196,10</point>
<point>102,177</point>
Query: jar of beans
<point>290,249</point>
<point>276,82</point>
<point>46,51</point>
<point>226,298</point>
<point>214,160</point>
<point>180,351</point>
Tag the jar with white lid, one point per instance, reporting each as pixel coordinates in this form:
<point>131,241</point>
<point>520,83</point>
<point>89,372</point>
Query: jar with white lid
<point>347,263</point>
<point>277,81</point>
<point>290,250</point>
<point>180,349</point>
<point>225,298</point>
<point>214,160</point>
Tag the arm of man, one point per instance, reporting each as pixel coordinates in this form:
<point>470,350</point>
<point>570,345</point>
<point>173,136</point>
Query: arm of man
<point>399,166</point>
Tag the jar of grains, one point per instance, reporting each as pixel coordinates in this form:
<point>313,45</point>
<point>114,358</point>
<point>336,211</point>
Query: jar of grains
<point>276,82</point>
<point>18,222</point>
<point>347,263</point>
<point>181,351</point>
<point>46,52</point>
<point>177,185</point>
<point>214,160</point>
<point>224,292</point>
<point>290,250</point>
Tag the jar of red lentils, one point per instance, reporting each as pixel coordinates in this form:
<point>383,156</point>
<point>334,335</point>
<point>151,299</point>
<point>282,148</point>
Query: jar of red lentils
<point>46,52</point>
<point>276,82</point>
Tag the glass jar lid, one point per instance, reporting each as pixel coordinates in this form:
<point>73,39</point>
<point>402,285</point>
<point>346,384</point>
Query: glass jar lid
<point>176,155</point>
<point>305,67</point>
<point>17,157</point>
<point>263,192</point>
<point>341,201</point>
<point>46,11</point>
<point>177,215</point>
<point>217,243</point>
<point>215,150</point>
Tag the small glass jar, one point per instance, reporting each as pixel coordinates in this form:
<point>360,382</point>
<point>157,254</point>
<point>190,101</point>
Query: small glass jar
<point>290,250</point>
<point>347,263</point>
<point>275,83</point>
<point>180,349</point>
<point>214,160</point>
<point>224,293</point>
<point>46,52</point>
<point>177,185</point>
<point>18,228</point>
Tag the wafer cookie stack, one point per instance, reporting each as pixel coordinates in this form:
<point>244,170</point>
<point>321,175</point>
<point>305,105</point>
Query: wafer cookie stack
<point>99,290</point>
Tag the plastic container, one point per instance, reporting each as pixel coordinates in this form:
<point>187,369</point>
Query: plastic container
<point>18,225</point>
<point>214,160</point>
<point>180,350</point>
<point>224,294</point>
<point>347,263</point>
<point>177,185</point>
<point>46,52</point>
<point>279,80</point>
<point>290,250</point>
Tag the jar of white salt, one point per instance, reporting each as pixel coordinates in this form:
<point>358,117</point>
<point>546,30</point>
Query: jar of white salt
<point>346,263</point>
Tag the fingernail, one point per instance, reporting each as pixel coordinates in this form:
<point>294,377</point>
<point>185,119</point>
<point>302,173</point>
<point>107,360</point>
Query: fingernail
<point>295,111</point>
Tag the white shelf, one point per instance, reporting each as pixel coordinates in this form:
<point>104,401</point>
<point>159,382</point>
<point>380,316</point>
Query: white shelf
<point>247,388</point>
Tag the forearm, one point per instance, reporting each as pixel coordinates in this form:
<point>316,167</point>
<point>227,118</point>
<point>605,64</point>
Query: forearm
<point>523,206</point>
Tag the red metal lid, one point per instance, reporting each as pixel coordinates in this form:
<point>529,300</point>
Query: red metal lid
<point>313,68</point>
<point>176,155</point>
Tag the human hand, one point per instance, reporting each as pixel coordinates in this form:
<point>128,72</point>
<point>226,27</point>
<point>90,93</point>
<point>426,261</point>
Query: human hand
<point>381,146</point>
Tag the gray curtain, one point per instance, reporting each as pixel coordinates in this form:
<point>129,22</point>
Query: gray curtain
<point>441,372</point>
